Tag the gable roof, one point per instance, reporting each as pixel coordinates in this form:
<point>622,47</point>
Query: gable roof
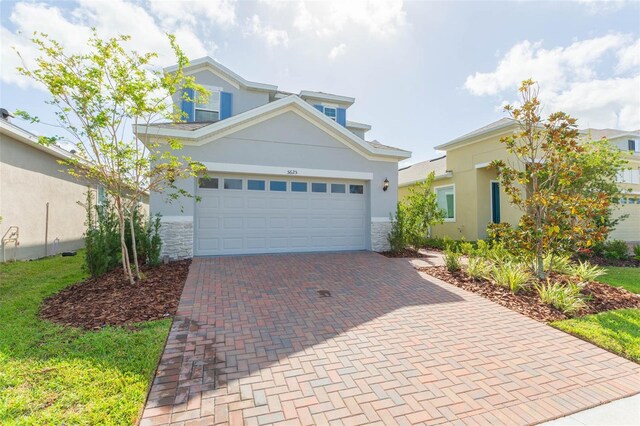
<point>223,72</point>
<point>418,172</point>
<point>197,134</point>
<point>502,124</point>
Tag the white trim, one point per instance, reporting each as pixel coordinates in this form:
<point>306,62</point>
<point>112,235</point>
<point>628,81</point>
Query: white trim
<point>327,97</point>
<point>438,177</point>
<point>357,125</point>
<point>380,220</point>
<point>265,112</point>
<point>286,171</point>
<point>482,165</point>
<point>452,185</point>
<point>172,219</point>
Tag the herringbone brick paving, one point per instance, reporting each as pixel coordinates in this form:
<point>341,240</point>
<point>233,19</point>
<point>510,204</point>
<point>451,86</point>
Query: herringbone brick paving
<point>253,343</point>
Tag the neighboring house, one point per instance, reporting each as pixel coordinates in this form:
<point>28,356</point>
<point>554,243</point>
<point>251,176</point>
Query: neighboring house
<point>469,193</point>
<point>38,198</point>
<point>286,173</point>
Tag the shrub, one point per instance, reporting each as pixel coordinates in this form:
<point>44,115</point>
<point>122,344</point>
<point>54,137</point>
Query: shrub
<point>561,264</point>
<point>398,236</point>
<point>102,238</point>
<point>478,267</point>
<point>636,251</point>
<point>435,243</point>
<point>565,298</point>
<point>512,275</point>
<point>452,259</point>
<point>153,241</point>
<point>616,249</point>
<point>586,272</point>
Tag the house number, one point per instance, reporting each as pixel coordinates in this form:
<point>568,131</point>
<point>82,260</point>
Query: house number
<point>292,172</point>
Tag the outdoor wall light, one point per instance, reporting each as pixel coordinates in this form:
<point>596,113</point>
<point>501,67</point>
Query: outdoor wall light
<point>385,185</point>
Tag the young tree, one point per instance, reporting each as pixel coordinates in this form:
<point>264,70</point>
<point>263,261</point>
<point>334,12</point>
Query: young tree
<point>563,187</point>
<point>98,96</point>
<point>421,211</point>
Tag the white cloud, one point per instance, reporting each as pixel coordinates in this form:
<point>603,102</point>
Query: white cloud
<point>577,79</point>
<point>109,17</point>
<point>602,6</point>
<point>221,12</point>
<point>380,18</point>
<point>338,50</point>
<point>271,36</point>
<point>629,57</point>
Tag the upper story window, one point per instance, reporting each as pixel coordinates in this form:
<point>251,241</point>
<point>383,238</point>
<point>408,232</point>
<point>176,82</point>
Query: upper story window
<point>331,113</point>
<point>208,109</point>
<point>629,176</point>
<point>633,145</point>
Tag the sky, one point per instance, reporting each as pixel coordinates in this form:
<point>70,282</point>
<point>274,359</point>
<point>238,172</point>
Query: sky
<point>422,72</point>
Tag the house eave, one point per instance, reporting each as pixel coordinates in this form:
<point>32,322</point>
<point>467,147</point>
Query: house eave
<point>291,103</point>
<point>436,178</point>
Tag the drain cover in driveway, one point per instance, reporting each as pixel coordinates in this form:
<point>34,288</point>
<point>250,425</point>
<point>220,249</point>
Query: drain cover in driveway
<point>324,293</point>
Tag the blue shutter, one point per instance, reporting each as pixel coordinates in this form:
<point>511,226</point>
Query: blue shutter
<point>341,117</point>
<point>319,108</point>
<point>225,105</point>
<point>187,104</point>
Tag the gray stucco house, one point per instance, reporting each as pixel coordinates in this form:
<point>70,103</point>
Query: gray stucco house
<point>286,172</point>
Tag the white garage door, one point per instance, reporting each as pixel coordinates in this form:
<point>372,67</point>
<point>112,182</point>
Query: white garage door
<point>262,214</point>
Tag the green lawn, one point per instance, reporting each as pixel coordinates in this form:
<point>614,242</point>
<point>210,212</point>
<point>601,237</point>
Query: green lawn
<point>56,375</point>
<point>628,278</point>
<point>617,331</point>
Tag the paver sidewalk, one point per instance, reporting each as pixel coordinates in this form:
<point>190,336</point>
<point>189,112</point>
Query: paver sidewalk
<point>254,343</point>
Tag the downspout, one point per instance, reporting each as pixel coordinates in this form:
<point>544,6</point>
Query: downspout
<point>46,233</point>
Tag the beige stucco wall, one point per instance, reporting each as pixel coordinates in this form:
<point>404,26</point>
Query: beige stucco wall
<point>29,179</point>
<point>473,196</point>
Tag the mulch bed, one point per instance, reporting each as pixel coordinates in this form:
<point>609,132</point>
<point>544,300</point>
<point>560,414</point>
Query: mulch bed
<point>600,297</point>
<point>111,300</point>
<point>404,254</point>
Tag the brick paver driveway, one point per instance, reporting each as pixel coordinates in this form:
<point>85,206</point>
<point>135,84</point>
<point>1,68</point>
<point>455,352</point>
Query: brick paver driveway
<point>255,343</point>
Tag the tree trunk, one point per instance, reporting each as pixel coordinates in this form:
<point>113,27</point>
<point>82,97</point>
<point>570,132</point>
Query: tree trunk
<point>123,244</point>
<point>133,245</point>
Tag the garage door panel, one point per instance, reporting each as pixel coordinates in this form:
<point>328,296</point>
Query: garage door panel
<point>233,202</point>
<point>244,221</point>
<point>205,243</point>
<point>208,223</point>
<point>278,222</point>
<point>258,203</point>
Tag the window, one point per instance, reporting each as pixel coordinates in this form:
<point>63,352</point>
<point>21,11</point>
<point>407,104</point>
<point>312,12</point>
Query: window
<point>338,188</point>
<point>298,186</point>
<point>209,108</point>
<point>632,144</point>
<point>233,184</point>
<point>278,185</point>
<point>208,183</point>
<point>445,197</point>
<point>356,189</point>
<point>318,187</point>
<point>102,196</point>
<point>331,112</point>
<point>255,185</point>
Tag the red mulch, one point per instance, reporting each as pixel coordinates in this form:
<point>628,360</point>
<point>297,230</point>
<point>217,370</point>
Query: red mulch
<point>404,253</point>
<point>111,300</point>
<point>600,297</point>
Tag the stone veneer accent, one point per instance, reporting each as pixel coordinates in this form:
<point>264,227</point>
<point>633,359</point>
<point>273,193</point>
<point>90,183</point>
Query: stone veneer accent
<point>177,239</point>
<point>379,233</point>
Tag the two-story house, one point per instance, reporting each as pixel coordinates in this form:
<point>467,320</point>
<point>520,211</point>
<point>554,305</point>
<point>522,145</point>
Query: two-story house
<point>285,172</point>
<point>469,193</point>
